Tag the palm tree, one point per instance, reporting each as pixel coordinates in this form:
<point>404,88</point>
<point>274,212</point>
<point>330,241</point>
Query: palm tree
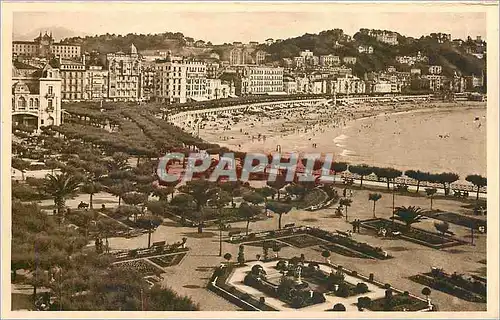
<point>430,193</point>
<point>278,208</point>
<point>61,187</point>
<point>325,254</point>
<point>478,181</point>
<point>345,202</point>
<point>409,215</point>
<point>374,197</point>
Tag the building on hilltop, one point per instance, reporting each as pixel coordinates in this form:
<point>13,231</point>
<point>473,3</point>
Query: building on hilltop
<point>349,60</point>
<point>45,46</point>
<point>124,75</point>
<point>36,95</point>
<point>329,60</point>
<point>365,49</point>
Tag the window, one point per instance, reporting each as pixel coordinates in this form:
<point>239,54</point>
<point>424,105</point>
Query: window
<point>31,103</point>
<point>51,90</point>
<point>49,105</point>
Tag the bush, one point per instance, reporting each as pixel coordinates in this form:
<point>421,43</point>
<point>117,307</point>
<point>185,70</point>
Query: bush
<point>318,297</point>
<point>262,300</point>
<point>297,302</point>
<point>25,192</point>
<point>361,287</point>
<point>342,291</point>
<point>245,296</point>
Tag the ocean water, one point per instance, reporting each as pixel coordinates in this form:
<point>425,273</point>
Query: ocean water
<point>435,140</point>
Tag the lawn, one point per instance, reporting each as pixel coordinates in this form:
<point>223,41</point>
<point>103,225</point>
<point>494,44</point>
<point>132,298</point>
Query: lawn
<point>459,219</point>
<point>344,251</point>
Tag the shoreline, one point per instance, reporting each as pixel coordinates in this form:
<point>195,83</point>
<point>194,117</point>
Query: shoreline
<point>347,143</point>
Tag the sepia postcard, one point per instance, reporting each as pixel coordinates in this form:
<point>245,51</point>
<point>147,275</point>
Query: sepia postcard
<point>218,159</point>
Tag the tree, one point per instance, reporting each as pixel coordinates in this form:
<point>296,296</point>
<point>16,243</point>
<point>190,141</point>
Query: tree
<point>430,193</point>
<point>445,178</point>
<point>61,187</point>
<point>418,175</point>
<point>296,189</point>
<point>255,198</point>
<point>345,202</point>
<point>135,199</point>
<point>52,164</point>
<point>91,188</point>
<point>339,307</point>
<point>164,192</point>
<point>20,165</point>
<point>279,208</point>
<point>363,303</point>
<point>409,215</point>
<point>119,162</point>
<point>390,174</point>
<point>248,212</point>
<point>241,255</point>
<point>326,254</point>
<point>149,222</point>
<point>426,292</point>
<point>278,184</point>
<point>228,257</point>
<point>277,249</point>
<point>478,181</point>
<point>201,190</point>
<point>442,227</point>
<point>338,167</point>
<point>361,170</point>
<point>118,190</point>
<point>374,197</point>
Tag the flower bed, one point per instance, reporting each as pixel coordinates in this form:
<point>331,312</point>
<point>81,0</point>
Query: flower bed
<point>455,285</point>
<point>303,241</point>
<point>459,220</point>
<point>344,251</point>
<point>148,252</point>
<point>168,260</point>
<point>423,237</point>
<point>140,265</point>
<point>349,243</point>
<point>399,302</point>
<point>313,198</point>
<point>267,243</point>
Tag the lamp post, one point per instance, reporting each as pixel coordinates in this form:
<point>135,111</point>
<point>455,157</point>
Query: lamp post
<point>393,208</point>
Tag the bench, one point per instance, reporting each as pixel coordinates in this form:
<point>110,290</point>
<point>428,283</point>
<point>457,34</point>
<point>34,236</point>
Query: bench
<point>234,233</point>
<point>344,234</point>
<point>289,225</point>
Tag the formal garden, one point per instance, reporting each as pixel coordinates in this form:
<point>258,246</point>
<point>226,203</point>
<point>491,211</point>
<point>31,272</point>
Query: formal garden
<point>308,285</point>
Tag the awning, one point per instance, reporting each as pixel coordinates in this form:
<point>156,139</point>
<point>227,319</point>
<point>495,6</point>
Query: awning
<point>197,99</point>
<point>232,96</point>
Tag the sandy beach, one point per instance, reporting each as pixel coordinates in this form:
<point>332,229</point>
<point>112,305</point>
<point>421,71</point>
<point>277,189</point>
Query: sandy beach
<point>432,136</point>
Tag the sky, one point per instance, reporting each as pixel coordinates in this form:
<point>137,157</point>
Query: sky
<point>220,27</point>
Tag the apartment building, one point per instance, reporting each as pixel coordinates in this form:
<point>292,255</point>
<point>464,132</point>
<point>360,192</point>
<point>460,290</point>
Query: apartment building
<point>124,75</point>
<point>260,80</point>
<point>178,80</point>
<point>73,77</point>
<point>36,95</point>
<point>96,82</point>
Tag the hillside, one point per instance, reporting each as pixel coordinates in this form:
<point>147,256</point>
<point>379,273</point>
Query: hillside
<point>452,58</point>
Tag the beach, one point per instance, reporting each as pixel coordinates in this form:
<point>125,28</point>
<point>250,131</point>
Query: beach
<point>434,137</point>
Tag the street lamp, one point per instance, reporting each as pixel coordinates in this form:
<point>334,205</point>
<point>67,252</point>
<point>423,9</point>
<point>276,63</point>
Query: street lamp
<point>393,208</point>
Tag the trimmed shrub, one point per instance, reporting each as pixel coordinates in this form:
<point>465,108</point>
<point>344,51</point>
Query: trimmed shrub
<point>361,287</point>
